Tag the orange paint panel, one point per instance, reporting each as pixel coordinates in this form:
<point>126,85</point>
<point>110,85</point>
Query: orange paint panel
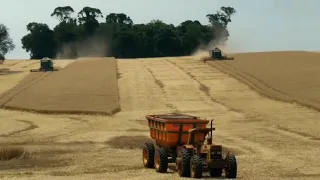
<point>166,131</point>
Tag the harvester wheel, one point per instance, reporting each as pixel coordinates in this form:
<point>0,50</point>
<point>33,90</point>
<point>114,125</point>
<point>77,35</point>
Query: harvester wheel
<point>148,155</point>
<point>231,169</point>
<point>215,172</point>
<point>196,166</point>
<point>161,160</point>
<point>184,165</point>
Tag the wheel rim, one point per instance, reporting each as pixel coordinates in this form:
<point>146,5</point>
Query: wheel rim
<point>145,156</point>
<point>157,160</point>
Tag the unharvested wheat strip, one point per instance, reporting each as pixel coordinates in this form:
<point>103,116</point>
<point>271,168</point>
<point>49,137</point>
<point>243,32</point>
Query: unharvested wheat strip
<point>85,86</point>
<point>289,76</point>
<point>26,83</point>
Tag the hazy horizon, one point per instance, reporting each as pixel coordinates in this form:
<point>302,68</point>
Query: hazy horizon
<point>265,25</point>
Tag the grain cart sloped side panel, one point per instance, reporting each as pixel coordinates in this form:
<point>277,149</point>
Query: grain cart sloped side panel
<point>170,131</point>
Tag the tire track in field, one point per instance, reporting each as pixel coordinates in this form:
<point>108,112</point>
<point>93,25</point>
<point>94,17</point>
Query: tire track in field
<point>236,74</point>
<point>23,83</point>
<point>31,126</point>
<point>28,65</point>
<point>262,88</point>
<point>277,129</point>
<point>239,73</point>
<point>18,89</point>
<point>16,63</point>
<point>186,97</point>
<point>23,63</point>
<point>271,140</point>
<point>244,148</point>
<point>161,86</point>
<point>202,87</point>
<point>138,90</point>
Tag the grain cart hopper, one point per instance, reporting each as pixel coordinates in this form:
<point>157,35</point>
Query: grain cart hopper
<point>46,64</point>
<point>180,139</point>
<point>216,54</point>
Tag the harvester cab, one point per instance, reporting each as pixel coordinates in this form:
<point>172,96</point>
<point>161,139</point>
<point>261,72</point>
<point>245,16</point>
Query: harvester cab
<point>217,54</point>
<point>46,64</point>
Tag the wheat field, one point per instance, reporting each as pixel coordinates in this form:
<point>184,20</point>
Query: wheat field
<point>69,90</point>
<point>271,139</point>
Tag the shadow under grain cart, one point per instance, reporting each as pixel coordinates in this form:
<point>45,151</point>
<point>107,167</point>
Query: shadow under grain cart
<point>181,139</point>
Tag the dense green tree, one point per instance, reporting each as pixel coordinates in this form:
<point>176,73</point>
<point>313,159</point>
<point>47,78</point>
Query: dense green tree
<point>219,22</point>
<point>118,18</point>
<point>87,18</point>
<point>124,39</point>
<point>63,13</point>
<point>40,41</point>
<point>6,44</point>
<point>222,17</point>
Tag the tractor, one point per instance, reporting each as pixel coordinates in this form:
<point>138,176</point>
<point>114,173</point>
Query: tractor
<point>46,64</point>
<point>181,139</point>
<point>216,54</point>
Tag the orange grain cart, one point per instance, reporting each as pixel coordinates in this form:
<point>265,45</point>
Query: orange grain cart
<point>180,139</point>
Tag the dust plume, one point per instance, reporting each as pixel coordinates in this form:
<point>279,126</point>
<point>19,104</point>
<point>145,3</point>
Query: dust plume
<point>94,46</point>
<point>221,41</point>
<point>202,50</point>
<point>61,63</point>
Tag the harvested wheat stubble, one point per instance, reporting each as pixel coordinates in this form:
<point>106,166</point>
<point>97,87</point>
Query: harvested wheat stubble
<point>291,76</point>
<point>24,84</point>
<point>87,86</point>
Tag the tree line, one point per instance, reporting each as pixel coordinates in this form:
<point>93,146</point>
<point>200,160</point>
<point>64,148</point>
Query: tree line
<point>6,43</point>
<point>117,35</point>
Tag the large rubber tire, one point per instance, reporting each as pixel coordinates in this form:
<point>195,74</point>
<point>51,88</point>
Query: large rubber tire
<point>148,155</point>
<point>161,160</point>
<point>196,166</point>
<point>184,170</point>
<point>231,169</point>
<point>215,172</point>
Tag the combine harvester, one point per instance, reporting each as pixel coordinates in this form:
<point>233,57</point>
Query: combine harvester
<point>216,54</point>
<point>180,139</point>
<point>46,64</point>
<point>1,59</point>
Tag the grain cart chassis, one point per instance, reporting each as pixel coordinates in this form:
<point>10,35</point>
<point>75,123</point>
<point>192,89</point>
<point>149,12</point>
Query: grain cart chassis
<point>180,139</point>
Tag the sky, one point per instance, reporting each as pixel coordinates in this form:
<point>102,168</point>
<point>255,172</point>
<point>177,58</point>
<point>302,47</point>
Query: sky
<point>258,25</point>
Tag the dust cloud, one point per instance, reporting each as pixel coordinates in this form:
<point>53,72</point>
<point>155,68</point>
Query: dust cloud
<point>227,45</point>
<point>219,41</point>
<point>94,46</point>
